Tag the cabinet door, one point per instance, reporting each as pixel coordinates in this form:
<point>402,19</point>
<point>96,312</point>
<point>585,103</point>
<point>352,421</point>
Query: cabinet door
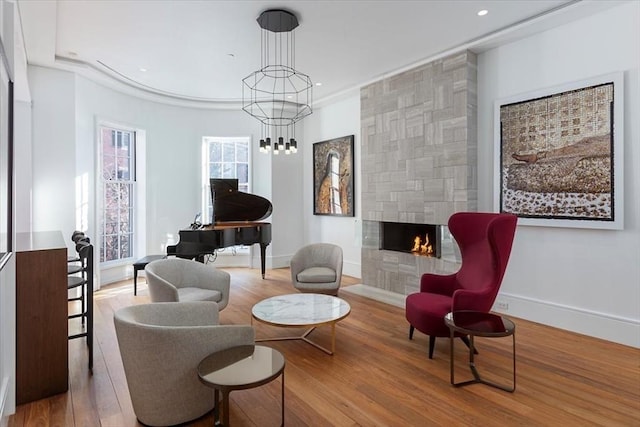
<point>41,324</point>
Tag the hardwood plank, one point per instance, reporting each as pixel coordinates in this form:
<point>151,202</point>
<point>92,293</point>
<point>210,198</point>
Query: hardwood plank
<point>377,377</point>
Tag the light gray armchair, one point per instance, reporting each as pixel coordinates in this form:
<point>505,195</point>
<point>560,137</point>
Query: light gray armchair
<point>161,345</point>
<point>317,268</point>
<point>178,279</point>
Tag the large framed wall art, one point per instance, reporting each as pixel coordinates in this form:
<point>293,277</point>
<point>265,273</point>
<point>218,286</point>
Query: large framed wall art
<point>333,192</point>
<point>559,155</point>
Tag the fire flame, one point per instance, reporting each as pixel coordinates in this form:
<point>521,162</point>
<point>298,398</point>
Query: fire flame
<point>421,248</point>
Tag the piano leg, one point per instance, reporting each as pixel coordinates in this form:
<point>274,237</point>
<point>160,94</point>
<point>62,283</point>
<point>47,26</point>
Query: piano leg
<point>263,256</point>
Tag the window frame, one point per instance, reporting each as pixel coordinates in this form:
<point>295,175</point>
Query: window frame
<point>206,162</point>
<point>132,182</point>
<point>206,188</point>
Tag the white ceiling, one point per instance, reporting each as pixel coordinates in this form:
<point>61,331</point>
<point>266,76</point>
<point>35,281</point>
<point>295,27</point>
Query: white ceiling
<point>201,50</point>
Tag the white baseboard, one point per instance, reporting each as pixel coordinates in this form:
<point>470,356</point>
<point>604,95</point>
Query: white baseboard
<point>4,392</point>
<point>600,325</point>
<point>605,326</point>
<point>283,261</point>
<point>382,295</point>
<point>352,269</point>
<point>116,274</point>
<point>229,260</point>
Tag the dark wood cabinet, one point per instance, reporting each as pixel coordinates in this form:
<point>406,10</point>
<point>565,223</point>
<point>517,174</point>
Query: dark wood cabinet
<point>42,351</point>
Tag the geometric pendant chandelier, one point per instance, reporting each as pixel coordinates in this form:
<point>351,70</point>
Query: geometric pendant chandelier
<point>277,94</point>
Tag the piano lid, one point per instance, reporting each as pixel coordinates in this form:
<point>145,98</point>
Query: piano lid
<point>229,204</point>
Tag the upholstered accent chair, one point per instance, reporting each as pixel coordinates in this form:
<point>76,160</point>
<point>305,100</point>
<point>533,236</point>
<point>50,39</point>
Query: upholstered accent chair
<point>317,268</point>
<point>178,279</point>
<point>161,345</point>
<point>485,241</point>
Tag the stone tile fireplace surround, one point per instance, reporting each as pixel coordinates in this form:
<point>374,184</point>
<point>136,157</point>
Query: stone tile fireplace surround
<point>419,155</point>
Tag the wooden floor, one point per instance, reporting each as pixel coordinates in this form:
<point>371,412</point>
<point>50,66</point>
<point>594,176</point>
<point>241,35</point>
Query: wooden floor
<point>377,376</point>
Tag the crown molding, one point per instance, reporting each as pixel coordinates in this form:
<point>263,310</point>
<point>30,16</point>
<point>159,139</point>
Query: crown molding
<point>106,76</point>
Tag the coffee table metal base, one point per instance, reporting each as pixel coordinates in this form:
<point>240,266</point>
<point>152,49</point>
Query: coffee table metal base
<point>304,338</point>
<point>302,310</point>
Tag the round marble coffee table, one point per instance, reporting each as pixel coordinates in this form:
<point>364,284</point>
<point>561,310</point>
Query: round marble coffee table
<point>302,310</point>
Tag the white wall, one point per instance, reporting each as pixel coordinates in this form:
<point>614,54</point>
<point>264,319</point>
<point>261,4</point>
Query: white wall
<point>53,150</point>
<point>340,118</point>
<point>286,180</point>
<point>66,109</point>
<point>10,32</point>
<point>22,153</point>
<point>583,280</point>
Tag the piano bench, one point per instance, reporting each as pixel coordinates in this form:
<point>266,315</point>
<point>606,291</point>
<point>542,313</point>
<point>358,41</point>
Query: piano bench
<point>140,265</point>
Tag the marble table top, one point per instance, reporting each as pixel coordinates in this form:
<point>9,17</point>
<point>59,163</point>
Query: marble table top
<point>301,310</point>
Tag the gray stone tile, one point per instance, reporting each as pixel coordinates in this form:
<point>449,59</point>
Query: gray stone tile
<point>419,154</point>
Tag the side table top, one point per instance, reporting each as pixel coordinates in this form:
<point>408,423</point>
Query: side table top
<point>241,367</point>
<point>479,323</point>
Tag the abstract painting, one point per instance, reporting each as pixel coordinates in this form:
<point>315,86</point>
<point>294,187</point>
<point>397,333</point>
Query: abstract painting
<point>333,177</point>
<point>559,155</point>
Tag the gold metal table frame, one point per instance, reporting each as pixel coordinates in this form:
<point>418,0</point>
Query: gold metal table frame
<point>304,336</point>
<point>311,326</point>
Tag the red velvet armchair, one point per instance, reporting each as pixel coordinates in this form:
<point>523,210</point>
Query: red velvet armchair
<point>485,241</point>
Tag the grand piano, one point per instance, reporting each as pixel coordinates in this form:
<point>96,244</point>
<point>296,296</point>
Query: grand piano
<point>236,220</point>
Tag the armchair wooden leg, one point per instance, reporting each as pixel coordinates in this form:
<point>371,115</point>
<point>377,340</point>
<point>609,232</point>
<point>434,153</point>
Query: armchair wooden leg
<point>432,344</point>
<point>411,328</point>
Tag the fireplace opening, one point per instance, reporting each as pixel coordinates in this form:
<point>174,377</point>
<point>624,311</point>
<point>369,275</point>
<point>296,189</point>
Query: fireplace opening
<point>417,239</point>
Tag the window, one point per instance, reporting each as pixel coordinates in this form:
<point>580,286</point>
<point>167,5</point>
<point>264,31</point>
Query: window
<point>118,175</point>
<point>224,158</point>
<point>334,171</point>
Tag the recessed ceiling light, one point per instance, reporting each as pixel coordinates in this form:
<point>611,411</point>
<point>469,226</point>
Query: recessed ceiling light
<point>483,12</point>
<point>318,84</point>
<point>144,70</point>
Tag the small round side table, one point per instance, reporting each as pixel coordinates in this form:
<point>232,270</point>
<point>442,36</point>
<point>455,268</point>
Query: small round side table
<point>479,324</point>
<point>240,368</point>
